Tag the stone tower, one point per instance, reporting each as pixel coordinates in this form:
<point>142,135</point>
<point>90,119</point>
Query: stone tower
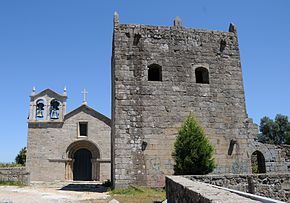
<point>162,73</point>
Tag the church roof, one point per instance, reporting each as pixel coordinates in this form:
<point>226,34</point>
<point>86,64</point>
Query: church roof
<point>50,93</point>
<point>85,108</point>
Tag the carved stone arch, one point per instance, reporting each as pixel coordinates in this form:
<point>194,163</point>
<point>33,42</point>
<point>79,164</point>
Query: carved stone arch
<point>35,108</point>
<point>54,99</point>
<point>87,144</point>
<point>40,98</point>
<point>54,108</point>
<point>263,149</point>
<point>95,155</point>
<point>258,162</point>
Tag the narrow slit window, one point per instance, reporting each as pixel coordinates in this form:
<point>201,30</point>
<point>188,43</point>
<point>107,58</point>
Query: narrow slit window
<point>154,72</point>
<point>83,129</point>
<point>201,75</point>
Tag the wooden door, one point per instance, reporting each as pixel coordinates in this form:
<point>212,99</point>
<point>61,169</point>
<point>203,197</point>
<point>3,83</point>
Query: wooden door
<point>82,169</point>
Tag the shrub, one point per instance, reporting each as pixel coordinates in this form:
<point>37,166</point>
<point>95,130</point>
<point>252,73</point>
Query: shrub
<point>192,150</point>
<point>21,157</point>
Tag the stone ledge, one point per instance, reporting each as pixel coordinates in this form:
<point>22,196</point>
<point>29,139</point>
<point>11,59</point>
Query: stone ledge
<point>276,186</point>
<point>17,174</point>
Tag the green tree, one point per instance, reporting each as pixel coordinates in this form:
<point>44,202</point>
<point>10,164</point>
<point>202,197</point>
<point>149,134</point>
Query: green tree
<point>275,132</point>
<point>193,154</point>
<point>21,157</point>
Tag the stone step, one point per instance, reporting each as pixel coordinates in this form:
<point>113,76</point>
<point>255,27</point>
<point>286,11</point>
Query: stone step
<point>89,186</point>
<point>84,187</point>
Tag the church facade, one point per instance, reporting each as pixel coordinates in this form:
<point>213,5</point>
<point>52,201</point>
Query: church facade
<point>66,146</point>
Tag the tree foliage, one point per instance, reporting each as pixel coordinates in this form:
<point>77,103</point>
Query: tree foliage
<point>21,157</point>
<point>193,153</point>
<point>275,131</point>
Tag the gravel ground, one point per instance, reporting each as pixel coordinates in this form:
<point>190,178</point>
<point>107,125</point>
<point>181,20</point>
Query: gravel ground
<point>34,194</point>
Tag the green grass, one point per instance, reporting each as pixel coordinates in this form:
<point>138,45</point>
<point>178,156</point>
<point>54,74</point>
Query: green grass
<point>8,165</point>
<point>11,183</point>
<point>138,195</point>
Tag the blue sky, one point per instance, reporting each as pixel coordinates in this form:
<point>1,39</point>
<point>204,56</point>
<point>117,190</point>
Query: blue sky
<point>50,44</point>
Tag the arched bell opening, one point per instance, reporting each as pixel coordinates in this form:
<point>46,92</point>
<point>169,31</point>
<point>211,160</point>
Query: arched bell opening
<point>83,161</point>
<point>39,112</point>
<point>54,109</point>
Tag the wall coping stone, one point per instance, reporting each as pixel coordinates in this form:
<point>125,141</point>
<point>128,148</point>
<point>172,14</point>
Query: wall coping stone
<point>251,196</point>
<point>181,189</point>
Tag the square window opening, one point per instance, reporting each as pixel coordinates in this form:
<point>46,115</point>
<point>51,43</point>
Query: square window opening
<point>83,129</point>
<point>154,72</point>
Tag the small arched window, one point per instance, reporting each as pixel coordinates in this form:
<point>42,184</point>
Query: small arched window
<point>258,162</point>
<point>154,72</point>
<point>54,109</point>
<point>201,75</point>
<point>39,109</point>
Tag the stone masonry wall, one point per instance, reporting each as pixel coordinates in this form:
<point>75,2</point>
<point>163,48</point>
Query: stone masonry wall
<point>277,158</point>
<point>14,174</point>
<point>182,190</point>
<point>276,186</point>
<point>146,115</point>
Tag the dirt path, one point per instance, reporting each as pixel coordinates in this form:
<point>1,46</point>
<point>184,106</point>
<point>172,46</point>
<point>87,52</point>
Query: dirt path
<point>34,194</point>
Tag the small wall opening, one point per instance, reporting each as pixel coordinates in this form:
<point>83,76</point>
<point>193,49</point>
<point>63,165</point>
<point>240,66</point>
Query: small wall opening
<point>154,72</point>
<point>83,129</point>
<point>231,147</point>
<point>258,162</point>
<point>201,75</point>
<point>136,39</point>
<point>223,45</point>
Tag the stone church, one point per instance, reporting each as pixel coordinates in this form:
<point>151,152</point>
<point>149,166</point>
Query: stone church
<point>159,75</point>
<point>66,146</point>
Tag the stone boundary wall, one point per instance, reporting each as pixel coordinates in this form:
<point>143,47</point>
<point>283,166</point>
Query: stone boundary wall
<point>276,186</point>
<point>17,174</point>
<point>183,190</point>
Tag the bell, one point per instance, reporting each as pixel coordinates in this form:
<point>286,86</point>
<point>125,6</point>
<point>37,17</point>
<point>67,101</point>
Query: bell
<point>39,114</point>
<point>54,114</point>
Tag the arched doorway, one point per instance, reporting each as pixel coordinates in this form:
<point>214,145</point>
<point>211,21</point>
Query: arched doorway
<point>82,165</point>
<point>258,162</point>
<point>83,161</point>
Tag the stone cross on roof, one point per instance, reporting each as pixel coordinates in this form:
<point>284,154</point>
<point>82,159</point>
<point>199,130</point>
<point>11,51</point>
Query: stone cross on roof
<point>85,92</point>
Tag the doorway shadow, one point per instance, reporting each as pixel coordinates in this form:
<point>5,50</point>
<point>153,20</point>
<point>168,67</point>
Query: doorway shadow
<point>83,187</point>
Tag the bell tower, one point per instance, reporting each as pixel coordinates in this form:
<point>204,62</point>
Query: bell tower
<point>47,106</point>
